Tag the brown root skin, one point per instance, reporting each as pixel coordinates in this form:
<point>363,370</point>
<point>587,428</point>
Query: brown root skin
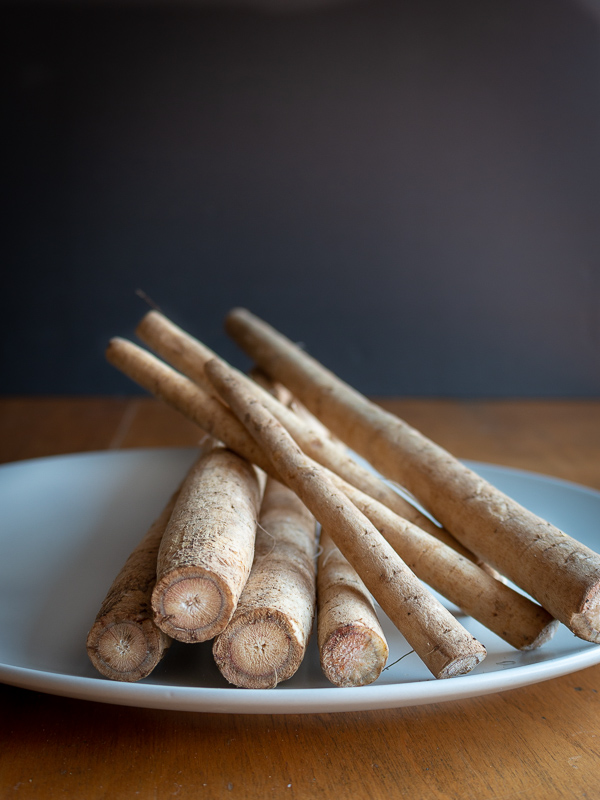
<point>515,618</point>
<point>266,639</point>
<point>436,636</point>
<point>207,549</point>
<point>555,569</point>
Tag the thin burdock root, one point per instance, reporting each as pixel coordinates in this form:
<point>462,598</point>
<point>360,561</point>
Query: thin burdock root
<point>207,549</point>
<point>512,616</point>
<point>487,600</point>
<point>124,643</point>
<point>442,643</point>
<point>352,646</point>
<point>562,574</point>
<point>266,639</point>
<point>189,356</point>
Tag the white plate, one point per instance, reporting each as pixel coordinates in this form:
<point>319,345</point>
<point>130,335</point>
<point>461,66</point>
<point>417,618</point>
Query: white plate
<point>68,523</point>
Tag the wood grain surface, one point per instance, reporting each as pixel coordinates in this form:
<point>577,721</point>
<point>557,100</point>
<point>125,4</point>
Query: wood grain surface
<point>542,741</point>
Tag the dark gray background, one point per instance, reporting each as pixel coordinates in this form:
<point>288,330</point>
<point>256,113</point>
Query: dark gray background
<point>411,189</point>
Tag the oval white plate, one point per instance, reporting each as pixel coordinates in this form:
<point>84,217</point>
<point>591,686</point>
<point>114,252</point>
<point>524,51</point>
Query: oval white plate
<point>68,523</point>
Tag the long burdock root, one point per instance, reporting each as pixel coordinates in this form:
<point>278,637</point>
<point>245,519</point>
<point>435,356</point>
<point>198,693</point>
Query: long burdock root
<point>437,637</point>
<point>124,643</point>
<point>266,639</point>
<point>207,549</point>
<point>352,646</point>
<point>562,574</point>
<point>511,615</point>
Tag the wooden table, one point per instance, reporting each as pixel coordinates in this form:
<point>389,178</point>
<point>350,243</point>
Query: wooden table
<point>542,741</point>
